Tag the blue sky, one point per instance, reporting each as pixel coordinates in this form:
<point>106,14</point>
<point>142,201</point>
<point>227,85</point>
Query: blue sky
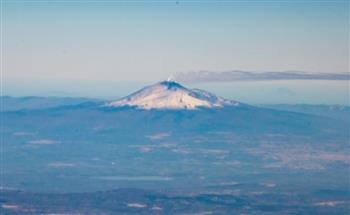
<point>94,43</point>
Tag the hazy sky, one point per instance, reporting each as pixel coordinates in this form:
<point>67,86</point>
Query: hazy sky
<point>146,42</point>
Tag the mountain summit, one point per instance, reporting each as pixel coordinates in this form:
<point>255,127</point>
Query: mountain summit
<point>171,95</point>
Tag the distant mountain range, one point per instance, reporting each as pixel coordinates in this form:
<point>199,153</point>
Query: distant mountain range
<point>166,95</point>
<point>169,106</point>
<point>10,103</point>
<point>237,75</point>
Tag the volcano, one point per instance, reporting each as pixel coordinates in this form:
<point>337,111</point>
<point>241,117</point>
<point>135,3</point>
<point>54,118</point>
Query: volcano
<point>172,95</point>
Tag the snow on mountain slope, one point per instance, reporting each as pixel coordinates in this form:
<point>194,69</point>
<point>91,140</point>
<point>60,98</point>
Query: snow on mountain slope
<point>171,95</point>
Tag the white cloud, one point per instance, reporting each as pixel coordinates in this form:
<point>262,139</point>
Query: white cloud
<point>43,142</point>
<point>136,205</point>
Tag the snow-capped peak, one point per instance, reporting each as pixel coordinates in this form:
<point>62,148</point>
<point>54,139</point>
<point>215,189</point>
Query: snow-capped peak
<point>171,95</point>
